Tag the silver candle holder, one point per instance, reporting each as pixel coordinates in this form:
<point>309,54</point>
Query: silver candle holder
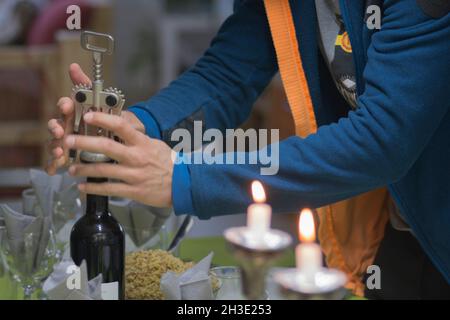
<point>324,284</point>
<point>255,256</point>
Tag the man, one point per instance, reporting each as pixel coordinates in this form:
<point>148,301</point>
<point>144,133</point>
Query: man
<point>382,105</point>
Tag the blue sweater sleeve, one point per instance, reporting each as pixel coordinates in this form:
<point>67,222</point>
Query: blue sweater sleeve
<point>405,99</point>
<point>223,85</point>
<point>181,189</point>
<point>151,127</point>
<point>219,90</point>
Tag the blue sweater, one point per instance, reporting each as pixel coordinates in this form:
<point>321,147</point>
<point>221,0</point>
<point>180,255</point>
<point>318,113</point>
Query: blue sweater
<point>398,137</point>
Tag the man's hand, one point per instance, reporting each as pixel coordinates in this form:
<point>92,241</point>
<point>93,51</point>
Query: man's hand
<point>60,128</point>
<point>144,168</point>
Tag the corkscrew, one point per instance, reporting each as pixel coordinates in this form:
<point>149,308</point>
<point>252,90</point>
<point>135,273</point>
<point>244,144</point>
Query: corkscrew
<point>95,98</point>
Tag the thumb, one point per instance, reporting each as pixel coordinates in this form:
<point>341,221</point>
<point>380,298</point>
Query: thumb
<point>77,75</point>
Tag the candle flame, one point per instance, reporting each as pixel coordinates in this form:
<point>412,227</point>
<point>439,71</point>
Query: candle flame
<point>306,226</point>
<point>259,196</point>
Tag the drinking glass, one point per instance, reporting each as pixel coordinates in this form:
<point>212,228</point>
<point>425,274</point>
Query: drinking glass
<point>29,259</point>
<point>64,217</point>
<point>229,283</point>
<point>229,279</point>
<point>141,238</point>
<point>7,284</point>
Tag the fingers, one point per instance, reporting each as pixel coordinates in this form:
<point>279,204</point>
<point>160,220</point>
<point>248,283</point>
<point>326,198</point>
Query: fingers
<point>66,106</point>
<point>77,75</point>
<point>122,128</point>
<point>55,129</point>
<point>108,189</point>
<point>135,122</point>
<point>59,128</point>
<point>103,170</point>
<point>54,164</point>
<point>54,148</point>
<point>103,145</point>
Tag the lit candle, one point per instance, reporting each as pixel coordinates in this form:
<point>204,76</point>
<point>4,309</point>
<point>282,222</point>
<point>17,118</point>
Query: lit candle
<point>308,254</point>
<point>259,213</point>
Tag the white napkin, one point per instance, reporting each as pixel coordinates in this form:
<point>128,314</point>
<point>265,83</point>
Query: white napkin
<point>193,284</point>
<point>45,186</point>
<point>139,221</point>
<point>69,282</point>
<point>59,189</point>
<point>29,203</point>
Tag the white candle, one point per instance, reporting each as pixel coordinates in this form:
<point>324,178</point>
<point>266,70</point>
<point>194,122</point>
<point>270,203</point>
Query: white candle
<point>258,219</point>
<point>259,213</point>
<point>308,253</point>
<point>309,258</point>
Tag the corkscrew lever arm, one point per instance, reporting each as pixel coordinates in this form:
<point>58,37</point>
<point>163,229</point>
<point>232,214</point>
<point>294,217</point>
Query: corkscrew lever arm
<point>81,98</point>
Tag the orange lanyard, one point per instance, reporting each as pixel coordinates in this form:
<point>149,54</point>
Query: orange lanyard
<point>290,64</point>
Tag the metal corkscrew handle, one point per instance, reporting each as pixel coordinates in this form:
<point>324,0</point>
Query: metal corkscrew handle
<point>95,98</point>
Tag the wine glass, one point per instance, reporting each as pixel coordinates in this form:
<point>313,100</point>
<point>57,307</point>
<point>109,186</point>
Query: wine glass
<point>229,283</point>
<point>8,285</point>
<point>64,217</point>
<point>229,279</point>
<point>29,258</point>
<point>145,238</point>
<point>145,227</point>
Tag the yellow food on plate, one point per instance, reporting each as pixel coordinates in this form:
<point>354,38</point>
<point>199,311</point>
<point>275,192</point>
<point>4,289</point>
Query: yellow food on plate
<point>143,272</point>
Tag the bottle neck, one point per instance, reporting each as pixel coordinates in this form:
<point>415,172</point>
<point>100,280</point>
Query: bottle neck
<point>96,204</point>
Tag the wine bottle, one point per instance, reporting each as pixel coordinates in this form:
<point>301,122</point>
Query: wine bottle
<point>98,239</point>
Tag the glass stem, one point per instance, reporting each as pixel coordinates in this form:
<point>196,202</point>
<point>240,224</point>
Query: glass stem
<point>28,291</point>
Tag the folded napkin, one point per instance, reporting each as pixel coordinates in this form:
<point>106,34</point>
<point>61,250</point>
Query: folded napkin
<point>69,282</point>
<point>56,196</point>
<point>140,222</point>
<point>30,204</point>
<point>193,284</point>
<point>27,237</point>
<point>44,187</point>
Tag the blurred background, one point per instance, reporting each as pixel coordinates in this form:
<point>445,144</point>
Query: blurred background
<point>155,41</point>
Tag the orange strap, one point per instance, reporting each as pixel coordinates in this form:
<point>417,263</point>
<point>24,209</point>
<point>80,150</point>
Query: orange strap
<point>350,231</point>
<point>290,65</point>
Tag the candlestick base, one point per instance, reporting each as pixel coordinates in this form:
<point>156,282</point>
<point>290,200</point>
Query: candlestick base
<point>255,256</point>
<point>325,284</point>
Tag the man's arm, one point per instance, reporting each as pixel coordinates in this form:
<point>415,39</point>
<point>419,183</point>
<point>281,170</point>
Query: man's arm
<point>406,97</point>
<point>222,87</point>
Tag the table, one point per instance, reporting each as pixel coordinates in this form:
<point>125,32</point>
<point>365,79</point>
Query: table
<point>191,249</point>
